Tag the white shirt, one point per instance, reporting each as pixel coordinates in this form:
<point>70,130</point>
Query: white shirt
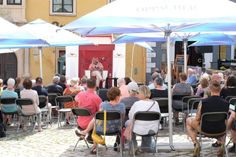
<point>143,127</point>
<point>32,94</point>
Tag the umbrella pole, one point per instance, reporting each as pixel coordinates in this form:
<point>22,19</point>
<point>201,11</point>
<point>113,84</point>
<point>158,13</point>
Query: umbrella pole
<point>167,34</point>
<point>185,54</point>
<point>40,62</point>
<point>132,61</point>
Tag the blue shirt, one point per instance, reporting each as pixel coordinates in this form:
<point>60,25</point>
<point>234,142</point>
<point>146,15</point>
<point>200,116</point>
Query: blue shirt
<point>192,80</point>
<point>10,107</point>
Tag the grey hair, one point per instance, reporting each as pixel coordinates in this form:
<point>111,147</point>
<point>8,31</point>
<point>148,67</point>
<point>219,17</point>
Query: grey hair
<point>145,91</point>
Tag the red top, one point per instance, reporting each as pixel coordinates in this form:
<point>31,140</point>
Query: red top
<point>91,101</point>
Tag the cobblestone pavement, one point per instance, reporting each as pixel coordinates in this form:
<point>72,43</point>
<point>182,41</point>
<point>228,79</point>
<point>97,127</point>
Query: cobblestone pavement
<point>59,142</point>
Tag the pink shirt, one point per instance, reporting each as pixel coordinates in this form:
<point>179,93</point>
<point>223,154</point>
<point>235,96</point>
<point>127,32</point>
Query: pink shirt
<point>124,91</point>
<point>89,100</point>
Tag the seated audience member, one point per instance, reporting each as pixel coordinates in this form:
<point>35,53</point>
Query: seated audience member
<point>127,80</point>
<point>144,104</point>
<point>9,93</point>
<point>42,91</point>
<point>159,91</point>
<point>230,87</point>
<point>202,87</point>
<point>73,89</point>
<point>27,92</point>
<point>83,84</point>
<point>232,126</point>
<point>54,87</point>
<point>123,88</point>
<point>227,73</point>
<point>18,86</point>
<point>192,79</point>
<point>154,76</point>
<point>114,104</point>
<point>90,100</point>
<point>132,98</point>
<point>1,86</point>
<point>181,88</point>
<point>214,103</point>
<point>62,82</point>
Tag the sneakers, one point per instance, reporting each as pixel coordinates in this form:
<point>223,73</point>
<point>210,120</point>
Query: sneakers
<point>232,149</point>
<point>196,151</point>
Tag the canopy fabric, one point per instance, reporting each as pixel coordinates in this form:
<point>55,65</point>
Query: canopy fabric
<point>155,15</point>
<point>11,36</point>
<point>54,35</point>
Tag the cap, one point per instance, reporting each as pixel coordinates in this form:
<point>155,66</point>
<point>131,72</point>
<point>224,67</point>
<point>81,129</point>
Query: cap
<point>133,86</point>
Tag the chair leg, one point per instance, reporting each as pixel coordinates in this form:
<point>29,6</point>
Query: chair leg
<point>76,144</point>
<point>121,146</point>
<point>226,150</point>
<point>97,150</point>
<point>86,143</point>
<point>59,119</point>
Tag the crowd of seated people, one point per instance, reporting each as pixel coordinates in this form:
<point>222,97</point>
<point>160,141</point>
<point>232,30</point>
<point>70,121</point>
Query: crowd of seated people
<point>129,95</point>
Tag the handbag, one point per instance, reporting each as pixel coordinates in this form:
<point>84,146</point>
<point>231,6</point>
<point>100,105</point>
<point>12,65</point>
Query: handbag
<point>98,138</point>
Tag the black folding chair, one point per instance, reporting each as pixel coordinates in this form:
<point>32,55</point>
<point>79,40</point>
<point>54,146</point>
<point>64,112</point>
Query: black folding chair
<point>60,100</point>
<point>25,102</point>
<point>111,115</point>
<point>229,97</point>
<point>81,112</point>
<point>147,116</point>
<point>215,118</point>
<point>164,108</point>
<point>45,112</point>
<point>7,102</point>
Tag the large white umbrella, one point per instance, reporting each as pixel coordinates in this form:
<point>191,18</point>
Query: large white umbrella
<point>11,36</point>
<point>53,35</point>
<point>167,16</point>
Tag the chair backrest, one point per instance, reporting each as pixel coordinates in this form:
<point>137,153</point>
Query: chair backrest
<point>111,115</point>
<point>24,101</point>
<point>214,119</point>
<point>102,93</point>
<point>178,97</point>
<point>60,100</point>
<point>8,105</point>
<point>186,98</point>
<point>42,101</point>
<point>81,112</point>
<point>232,101</point>
<point>6,101</point>
<point>228,98</point>
<point>147,115</point>
<point>163,104</point>
<point>52,98</point>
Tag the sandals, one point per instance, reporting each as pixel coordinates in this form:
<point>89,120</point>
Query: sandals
<point>216,144</point>
<point>93,150</point>
<point>79,134</point>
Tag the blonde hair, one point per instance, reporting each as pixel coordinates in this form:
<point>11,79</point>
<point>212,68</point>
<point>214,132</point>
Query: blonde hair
<point>145,91</point>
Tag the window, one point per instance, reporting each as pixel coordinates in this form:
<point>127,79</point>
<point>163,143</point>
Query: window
<point>14,2</point>
<point>62,6</point>
<point>1,1</point>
